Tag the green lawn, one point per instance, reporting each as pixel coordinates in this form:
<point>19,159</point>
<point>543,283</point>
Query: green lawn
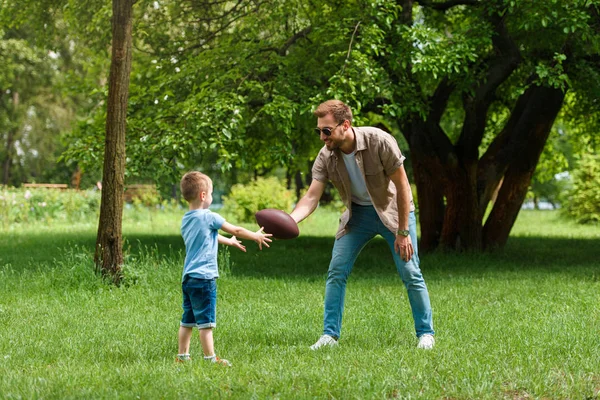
<point>520,323</point>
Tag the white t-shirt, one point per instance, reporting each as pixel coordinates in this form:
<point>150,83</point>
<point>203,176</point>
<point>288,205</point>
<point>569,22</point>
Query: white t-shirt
<point>360,195</point>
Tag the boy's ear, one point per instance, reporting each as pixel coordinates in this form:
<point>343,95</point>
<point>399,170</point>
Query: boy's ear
<point>202,195</point>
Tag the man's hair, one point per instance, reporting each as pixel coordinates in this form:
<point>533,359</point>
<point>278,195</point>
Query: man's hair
<point>340,111</point>
<point>192,184</point>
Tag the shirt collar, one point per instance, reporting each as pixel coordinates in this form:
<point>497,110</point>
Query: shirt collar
<point>359,137</point>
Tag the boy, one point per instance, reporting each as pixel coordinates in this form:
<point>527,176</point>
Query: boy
<point>199,229</point>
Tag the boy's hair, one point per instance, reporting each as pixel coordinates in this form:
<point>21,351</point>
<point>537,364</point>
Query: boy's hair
<point>340,111</point>
<point>192,184</point>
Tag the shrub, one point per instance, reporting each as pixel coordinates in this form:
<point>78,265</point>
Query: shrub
<point>583,200</point>
<point>245,200</point>
<point>20,205</point>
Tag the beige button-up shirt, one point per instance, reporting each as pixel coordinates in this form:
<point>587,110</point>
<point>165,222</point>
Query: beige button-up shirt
<point>377,156</point>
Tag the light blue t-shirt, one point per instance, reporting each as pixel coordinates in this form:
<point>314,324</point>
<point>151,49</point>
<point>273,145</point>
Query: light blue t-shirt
<point>360,195</point>
<point>200,230</point>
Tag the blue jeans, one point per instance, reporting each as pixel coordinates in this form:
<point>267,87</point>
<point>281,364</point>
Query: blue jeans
<point>362,227</point>
<point>199,303</point>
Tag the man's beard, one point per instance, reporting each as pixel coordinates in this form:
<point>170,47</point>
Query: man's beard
<point>331,145</point>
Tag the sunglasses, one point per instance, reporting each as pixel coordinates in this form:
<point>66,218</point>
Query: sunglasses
<point>326,131</point>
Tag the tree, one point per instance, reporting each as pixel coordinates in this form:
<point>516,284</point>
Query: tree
<point>503,67</point>
<point>32,113</point>
<point>42,62</point>
<point>208,85</point>
<point>473,87</point>
<point>537,67</point>
<point>109,243</point>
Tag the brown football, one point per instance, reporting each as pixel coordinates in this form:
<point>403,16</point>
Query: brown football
<point>277,222</point>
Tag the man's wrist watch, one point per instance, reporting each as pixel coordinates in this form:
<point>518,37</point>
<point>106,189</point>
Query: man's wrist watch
<point>403,232</point>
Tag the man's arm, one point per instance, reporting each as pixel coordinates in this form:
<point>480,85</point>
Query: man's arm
<point>403,189</point>
<point>309,201</point>
<point>403,244</point>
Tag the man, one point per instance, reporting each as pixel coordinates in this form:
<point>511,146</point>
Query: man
<point>366,167</point>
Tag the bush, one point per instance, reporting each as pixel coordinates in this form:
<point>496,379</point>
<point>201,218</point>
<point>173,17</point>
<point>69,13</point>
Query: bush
<point>584,199</point>
<point>20,205</point>
<point>245,200</point>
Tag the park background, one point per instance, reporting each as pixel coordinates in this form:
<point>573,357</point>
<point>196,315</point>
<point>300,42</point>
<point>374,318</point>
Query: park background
<point>496,105</point>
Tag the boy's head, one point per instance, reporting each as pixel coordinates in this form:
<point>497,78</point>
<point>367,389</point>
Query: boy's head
<point>196,186</point>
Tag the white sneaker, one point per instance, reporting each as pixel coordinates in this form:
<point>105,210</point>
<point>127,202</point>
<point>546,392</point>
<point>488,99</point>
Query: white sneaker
<point>426,341</point>
<point>324,340</point>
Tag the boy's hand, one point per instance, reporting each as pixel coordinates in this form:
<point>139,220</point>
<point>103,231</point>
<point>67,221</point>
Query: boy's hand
<point>262,238</point>
<point>236,243</point>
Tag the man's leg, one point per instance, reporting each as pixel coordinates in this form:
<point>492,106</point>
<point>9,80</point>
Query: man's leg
<point>344,254</point>
<point>418,296</point>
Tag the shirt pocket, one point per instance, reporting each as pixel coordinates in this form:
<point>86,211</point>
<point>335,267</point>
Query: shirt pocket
<point>375,175</point>
<point>334,176</point>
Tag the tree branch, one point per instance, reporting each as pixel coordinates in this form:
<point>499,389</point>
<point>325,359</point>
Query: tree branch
<point>291,41</point>
<point>350,46</point>
<point>221,16</point>
<point>439,100</point>
<point>223,27</point>
<point>282,51</point>
<point>505,60</point>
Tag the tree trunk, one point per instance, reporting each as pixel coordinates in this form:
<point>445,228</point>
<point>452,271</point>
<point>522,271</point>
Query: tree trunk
<point>431,207</point>
<point>429,179</point>
<point>12,133</point>
<point>299,184</point>
<point>8,161</point>
<point>109,252</point>
<point>288,179</point>
<point>462,220</point>
<point>531,134</point>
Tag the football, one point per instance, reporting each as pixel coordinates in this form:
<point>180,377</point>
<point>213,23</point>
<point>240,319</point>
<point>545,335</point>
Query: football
<point>278,223</point>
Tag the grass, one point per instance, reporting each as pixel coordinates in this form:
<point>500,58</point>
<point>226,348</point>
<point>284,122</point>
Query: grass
<point>514,324</point>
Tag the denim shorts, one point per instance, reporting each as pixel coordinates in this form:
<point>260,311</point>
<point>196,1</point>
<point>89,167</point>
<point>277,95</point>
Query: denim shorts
<point>199,303</point>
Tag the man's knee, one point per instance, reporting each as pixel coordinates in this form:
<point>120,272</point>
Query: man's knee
<point>337,275</point>
<point>338,271</point>
<point>411,273</point>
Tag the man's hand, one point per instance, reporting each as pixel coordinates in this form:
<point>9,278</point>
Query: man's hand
<point>236,243</point>
<point>404,248</point>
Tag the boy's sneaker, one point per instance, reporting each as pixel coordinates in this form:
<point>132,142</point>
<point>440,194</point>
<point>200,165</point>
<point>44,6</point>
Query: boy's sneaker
<point>426,341</point>
<point>222,361</point>
<point>217,360</point>
<point>324,340</point>
<point>183,358</point>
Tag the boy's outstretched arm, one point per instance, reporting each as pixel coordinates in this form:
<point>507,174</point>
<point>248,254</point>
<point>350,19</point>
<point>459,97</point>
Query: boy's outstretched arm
<point>259,236</point>
<point>232,241</point>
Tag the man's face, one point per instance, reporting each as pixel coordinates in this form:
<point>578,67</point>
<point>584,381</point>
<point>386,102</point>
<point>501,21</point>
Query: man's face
<point>329,124</point>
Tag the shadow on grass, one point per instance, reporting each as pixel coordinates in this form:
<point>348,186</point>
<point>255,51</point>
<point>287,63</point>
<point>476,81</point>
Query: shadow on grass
<point>308,257</point>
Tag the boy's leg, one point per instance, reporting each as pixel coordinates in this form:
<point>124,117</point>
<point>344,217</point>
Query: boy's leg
<point>204,303</point>
<point>418,296</point>
<point>206,339</point>
<point>185,335</point>
<point>344,254</point>
<point>187,323</point>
